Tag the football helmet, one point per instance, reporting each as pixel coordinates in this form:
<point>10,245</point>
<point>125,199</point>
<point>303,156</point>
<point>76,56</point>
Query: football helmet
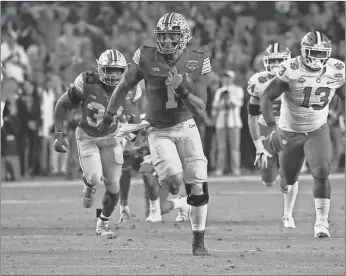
<point>273,56</point>
<point>111,66</point>
<point>172,33</point>
<point>315,50</point>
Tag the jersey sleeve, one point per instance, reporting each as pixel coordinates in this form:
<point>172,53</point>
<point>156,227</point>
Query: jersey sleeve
<point>253,87</point>
<point>338,73</point>
<point>137,56</point>
<point>76,89</point>
<point>206,66</point>
<point>288,70</point>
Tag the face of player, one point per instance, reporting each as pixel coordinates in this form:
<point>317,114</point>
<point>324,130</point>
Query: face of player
<point>169,42</point>
<point>112,75</point>
<point>317,58</point>
<point>273,65</point>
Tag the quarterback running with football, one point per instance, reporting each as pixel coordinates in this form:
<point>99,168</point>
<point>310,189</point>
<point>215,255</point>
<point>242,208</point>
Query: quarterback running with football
<point>175,79</point>
<point>307,84</point>
<point>100,152</point>
<point>273,56</point>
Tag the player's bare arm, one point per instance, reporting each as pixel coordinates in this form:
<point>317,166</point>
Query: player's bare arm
<point>275,88</point>
<point>65,102</point>
<point>131,77</point>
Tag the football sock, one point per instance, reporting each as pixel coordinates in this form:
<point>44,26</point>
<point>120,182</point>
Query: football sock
<point>322,208</point>
<point>290,199</point>
<point>198,217</point>
<point>124,183</point>
<point>155,205</point>
<point>109,202</point>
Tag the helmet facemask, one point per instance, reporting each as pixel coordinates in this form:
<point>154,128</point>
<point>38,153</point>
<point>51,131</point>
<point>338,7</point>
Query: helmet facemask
<point>169,41</point>
<point>315,57</point>
<point>110,75</point>
<point>272,62</point>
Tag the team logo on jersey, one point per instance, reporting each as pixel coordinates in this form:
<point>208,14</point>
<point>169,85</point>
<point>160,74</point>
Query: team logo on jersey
<point>294,65</point>
<point>192,65</point>
<point>301,80</point>
<point>262,79</point>
<point>338,76</point>
<point>155,69</point>
<point>339,66</point>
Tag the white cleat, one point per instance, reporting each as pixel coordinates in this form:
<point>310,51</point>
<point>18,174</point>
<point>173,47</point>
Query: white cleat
<point>88,196</point>
<point>102,228</point>
<point>184,212</point>
<point>288,222</point>
<point>321,229</point>
<point>125,214</point>
<point>154,216</point>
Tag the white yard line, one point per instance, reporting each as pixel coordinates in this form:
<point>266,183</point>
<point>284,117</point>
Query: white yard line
<point>137,181</point>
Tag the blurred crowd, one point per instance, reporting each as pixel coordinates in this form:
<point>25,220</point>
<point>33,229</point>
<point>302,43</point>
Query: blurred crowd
<point>45,45</point>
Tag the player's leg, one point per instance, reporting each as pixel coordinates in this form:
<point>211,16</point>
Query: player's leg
<point>195,164</point>
<point>289,172</point>
<point>318,151</point>
<point>169,169</point>
<point>112,161</point>
<point>90,162</point>
<point>125,182</point>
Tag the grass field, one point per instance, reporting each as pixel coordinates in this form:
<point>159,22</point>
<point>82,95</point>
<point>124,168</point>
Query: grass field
<point>45,230</point>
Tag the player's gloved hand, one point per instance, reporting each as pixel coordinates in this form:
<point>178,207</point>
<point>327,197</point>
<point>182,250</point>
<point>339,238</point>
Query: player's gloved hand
<point>178,83</point>
<point>60,143</point>
<point>104,124</point>
<point>262,155</point>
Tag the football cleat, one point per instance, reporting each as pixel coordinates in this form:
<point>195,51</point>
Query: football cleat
<point>88,195</point>
<point>124,214</point>
<point>198,248</point>
<point>102,228</point>
<point>288,222</point>
<point>321,229</point>
<point>154,216</point>
<point>184,211</point>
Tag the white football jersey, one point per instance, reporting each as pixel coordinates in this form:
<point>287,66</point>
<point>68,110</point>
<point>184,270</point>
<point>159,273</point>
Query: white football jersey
<point>305,105</point>
<point>256,85</point>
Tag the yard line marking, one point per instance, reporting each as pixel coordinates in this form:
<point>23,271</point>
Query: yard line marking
<point>38,201</point>
<point>3,249</point>
<point>138,181</point>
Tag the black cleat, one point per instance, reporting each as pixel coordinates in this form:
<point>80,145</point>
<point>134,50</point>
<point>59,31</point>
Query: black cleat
<point>198,248</point>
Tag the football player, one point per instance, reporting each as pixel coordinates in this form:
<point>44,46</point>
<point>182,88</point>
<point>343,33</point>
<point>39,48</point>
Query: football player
<point>100,153</point>
<point>273,56</point>
<point>175,79</point>
<point>307,84</point>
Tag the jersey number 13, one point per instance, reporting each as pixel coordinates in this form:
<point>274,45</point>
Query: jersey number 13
<point>324,99</point>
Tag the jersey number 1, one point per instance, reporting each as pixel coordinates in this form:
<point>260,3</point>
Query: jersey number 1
<point>323,100</point>
<point>171,98</point>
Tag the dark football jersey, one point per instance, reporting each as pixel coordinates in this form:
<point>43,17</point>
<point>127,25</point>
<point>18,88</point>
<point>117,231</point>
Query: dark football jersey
<point>164,108</point>
<point>94,100</point>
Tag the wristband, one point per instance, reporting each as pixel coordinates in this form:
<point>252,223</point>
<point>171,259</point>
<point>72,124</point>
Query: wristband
<point>258,144</point>
<point>108,118</point>
<point>182,91</point>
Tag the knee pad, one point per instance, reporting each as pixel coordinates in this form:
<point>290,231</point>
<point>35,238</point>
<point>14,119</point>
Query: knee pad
<point>197,200</point>
<point>320,171</point>
<point>110,200</point>
<point>195,170</point>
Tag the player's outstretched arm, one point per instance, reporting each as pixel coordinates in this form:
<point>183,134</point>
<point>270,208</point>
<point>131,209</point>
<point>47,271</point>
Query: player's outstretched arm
<point>253,114</point>
<point>131,77</point>
<point>275,88</point>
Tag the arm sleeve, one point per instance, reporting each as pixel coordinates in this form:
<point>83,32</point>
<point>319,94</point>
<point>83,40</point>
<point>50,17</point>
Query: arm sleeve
<point>75,90</point>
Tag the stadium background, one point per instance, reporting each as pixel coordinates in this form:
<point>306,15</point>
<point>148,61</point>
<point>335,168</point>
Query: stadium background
<point>61,39</point>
